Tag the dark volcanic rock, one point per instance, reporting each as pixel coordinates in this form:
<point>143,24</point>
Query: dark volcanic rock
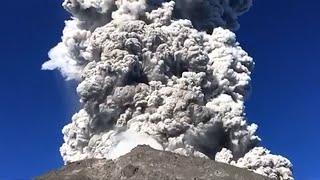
<point>145,163</point>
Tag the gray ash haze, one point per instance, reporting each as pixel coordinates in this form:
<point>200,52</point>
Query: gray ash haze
<point>169,74</point>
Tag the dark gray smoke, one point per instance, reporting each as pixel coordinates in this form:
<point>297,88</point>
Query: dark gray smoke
<point>150,73</point>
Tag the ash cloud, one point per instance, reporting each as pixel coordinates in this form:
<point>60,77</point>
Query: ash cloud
<point>167,74</point>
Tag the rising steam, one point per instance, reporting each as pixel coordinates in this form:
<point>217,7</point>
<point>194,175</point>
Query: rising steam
<point>167,74</point>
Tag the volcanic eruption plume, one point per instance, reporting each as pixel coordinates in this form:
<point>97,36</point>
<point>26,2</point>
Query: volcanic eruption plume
<point>169,74</point>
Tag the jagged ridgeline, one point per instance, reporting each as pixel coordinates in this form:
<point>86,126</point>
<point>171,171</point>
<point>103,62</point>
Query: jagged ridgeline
<point>167,74</point>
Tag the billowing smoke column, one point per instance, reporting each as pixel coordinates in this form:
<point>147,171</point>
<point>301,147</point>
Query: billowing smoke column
<point>166,74</point>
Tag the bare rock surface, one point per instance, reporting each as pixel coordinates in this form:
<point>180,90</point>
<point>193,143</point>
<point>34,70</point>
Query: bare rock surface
<point>145,163</point>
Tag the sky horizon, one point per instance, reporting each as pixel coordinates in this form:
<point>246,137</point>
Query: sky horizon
<point>282,37</point>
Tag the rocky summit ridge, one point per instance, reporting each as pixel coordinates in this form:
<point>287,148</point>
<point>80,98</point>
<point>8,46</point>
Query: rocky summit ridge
<point>145,163</point>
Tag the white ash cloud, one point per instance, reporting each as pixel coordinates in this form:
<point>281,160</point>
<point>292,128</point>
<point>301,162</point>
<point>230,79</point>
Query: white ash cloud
<point>87,15</point>
<point>150,72</point>
<point>260,161</point>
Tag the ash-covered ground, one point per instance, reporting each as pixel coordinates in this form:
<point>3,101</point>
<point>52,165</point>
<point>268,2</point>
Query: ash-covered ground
<point>145,163</point>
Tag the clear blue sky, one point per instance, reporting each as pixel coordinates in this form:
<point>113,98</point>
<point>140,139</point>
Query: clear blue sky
<point>282,36</point>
